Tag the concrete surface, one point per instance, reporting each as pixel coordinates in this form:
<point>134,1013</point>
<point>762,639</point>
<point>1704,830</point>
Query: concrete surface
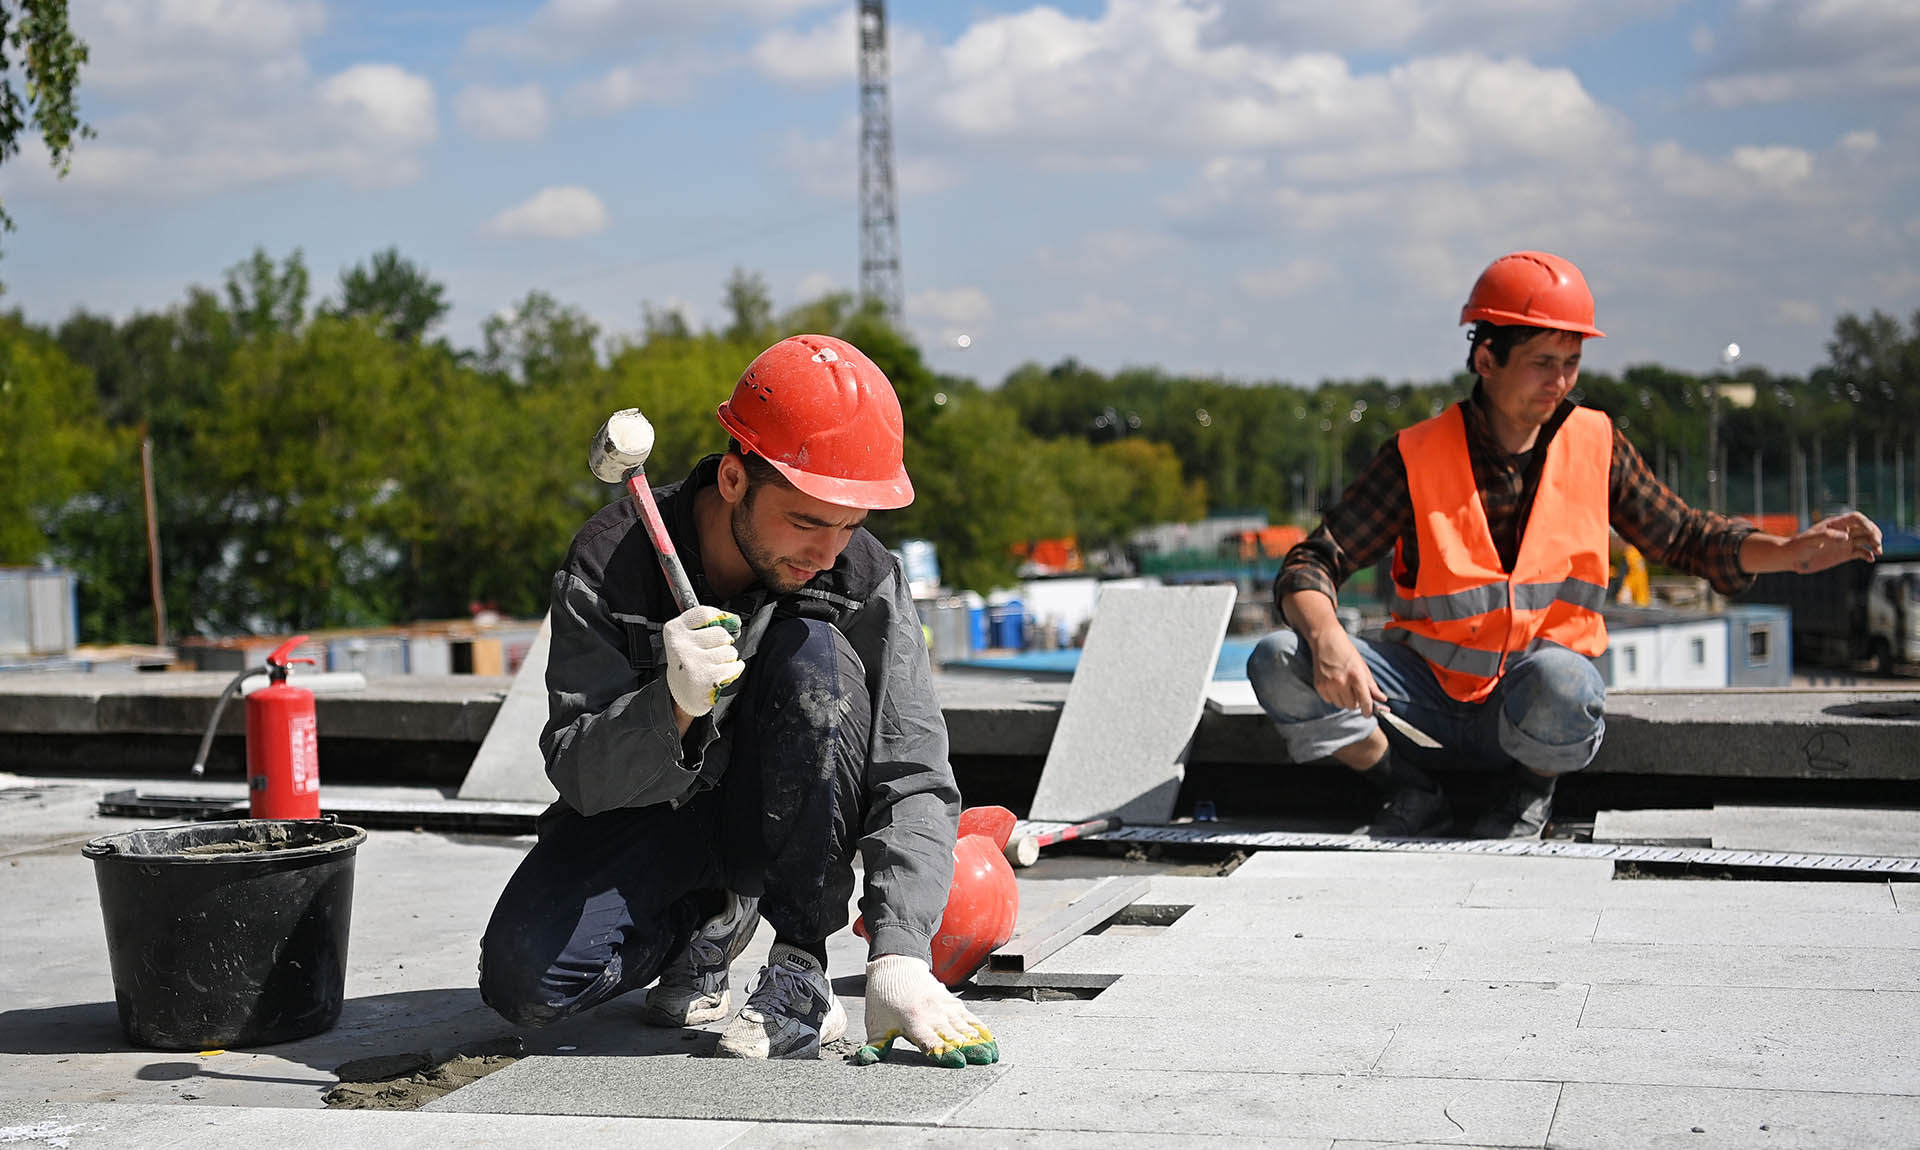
<point>1307,1001</point>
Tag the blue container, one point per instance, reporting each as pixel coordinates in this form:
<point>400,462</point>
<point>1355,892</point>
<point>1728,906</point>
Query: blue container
<point>1008,622</point>
<point>978,631</point>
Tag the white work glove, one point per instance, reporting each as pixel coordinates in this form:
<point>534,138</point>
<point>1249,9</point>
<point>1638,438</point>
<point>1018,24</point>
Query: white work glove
<point>905,1000</point>
<point>700,657</point>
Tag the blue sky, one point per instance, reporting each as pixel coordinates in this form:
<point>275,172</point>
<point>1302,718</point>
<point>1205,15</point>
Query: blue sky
<point>1256,190</point>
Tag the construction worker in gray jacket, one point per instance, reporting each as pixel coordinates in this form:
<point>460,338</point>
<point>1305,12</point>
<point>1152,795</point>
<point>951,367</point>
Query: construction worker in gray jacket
<point>722,764</point>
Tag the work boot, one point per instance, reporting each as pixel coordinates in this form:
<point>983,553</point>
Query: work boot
<point>789,1014</point>
<point>693,988</point>
<point>1522,813</point>
<point>1412,804</point>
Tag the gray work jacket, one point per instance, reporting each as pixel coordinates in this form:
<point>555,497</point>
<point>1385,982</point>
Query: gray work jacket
<point>610,739</point>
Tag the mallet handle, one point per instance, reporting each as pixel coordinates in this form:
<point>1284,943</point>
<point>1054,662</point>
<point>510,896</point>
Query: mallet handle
<point>670,563</point>
<point>1068,834</point>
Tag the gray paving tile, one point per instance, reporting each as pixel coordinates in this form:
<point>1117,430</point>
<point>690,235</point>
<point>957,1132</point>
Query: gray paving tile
<point>1121,744</point>
<point>1906,896</point>
<point>1598,962</point>
<point>1314,920</point>
<point>1351,890</point>
<point>795,1136</point>
<point>1768,1058</point>
<point>1682,827</point>
<point>133,1126</point>
<point>1432,865</point>
<point>1191,1034</point>
<point>1691,895</point>
<point>1213,957</point>
<point>1887,1017</point>
<point>1285,1105</point>
<point>1286,1000</point>
<point>1842,831</point>
<point>1702,927</point>
<point>1596,1116</point>
<point>508,764</point>
<point>824,1091</point>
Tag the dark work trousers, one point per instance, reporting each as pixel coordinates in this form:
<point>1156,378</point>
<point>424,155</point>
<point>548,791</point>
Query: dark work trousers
<point>601,902</point>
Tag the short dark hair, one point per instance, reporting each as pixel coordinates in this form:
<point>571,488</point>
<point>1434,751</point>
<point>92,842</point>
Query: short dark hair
<point>759,471</point>
<point>1500,339</point>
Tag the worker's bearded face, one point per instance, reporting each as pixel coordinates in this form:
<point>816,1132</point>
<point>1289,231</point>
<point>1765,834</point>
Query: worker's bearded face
<point>787,537</point>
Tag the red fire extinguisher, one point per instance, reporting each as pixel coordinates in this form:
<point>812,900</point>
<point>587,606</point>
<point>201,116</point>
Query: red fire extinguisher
<point>283,745</point>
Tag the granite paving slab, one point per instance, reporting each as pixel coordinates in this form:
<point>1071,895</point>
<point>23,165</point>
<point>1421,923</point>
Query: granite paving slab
<point>1686,826</point>
<point>1214,957</point>
<point>1192,1032</point>
<point>1604,1116</point>
<point>1315,920</point>
<point>1815,968</point>
<point>1873,896</point>
<point>1421,864</point>
<point>1906,895</point>
<point>1236,1100</point>
<point>509,764</point>
<point>1704,927</point>
<point>132,1126</point>
<point>797,1136</point>
<point>1765,1058</point>
<point>1136,697</point>
<point>824,1091</point>
<point>1839,830</point>
<point>1269,891</point>
<point>1882,1017</point>
<point>1288,1000</point>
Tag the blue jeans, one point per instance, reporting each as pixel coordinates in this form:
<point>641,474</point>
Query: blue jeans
<point>601,902</point>
<point>1546,713</point>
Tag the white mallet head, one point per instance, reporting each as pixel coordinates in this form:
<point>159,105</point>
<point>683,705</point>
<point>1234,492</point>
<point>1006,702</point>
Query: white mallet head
<point>623,443</point>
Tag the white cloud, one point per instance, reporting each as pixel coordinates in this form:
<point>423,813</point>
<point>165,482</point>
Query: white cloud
<point>1779,50</point>
<point>1141,81</point>
<point>385,101</point>
<point>1096,316</point>
<point>232,45</point>
<point>827,53</point>
<point>1799,311</point>
<point>518,114</point>
<point>815,284</point>
<point>1287,280</point>
<point>962,308</point>
<point>663,80</point>
<point>1484,25</point>
<point>1106,252</point>
<point>553,213</point>
<point>576,29</point>
<point>1861,142</point>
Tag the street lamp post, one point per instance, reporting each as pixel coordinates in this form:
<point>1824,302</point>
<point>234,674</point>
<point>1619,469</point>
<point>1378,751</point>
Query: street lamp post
<point>1716,479</point>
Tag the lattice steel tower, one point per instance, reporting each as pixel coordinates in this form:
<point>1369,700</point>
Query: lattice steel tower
<point>879,211</point>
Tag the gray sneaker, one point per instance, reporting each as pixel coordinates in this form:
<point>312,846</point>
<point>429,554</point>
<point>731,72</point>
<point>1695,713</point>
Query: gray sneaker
<point>789,1014</point>
<point>693,988</point>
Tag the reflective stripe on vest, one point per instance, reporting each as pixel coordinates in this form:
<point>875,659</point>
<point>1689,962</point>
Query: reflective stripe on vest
<point>1466,613</point>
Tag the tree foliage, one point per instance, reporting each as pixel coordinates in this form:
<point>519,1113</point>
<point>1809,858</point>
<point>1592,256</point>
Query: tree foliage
<point>43,96</point>
<point>333,468</point>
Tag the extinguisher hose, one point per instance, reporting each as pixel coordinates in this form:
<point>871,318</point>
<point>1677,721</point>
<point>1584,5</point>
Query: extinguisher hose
<point>219,708</point>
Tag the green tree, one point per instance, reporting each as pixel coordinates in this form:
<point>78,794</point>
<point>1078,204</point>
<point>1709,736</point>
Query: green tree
<point>265,299</point>
<point>394,293</point>
<point>749,307</point>
<point>53,443</point>
<point>541,342</point>
<point>35,38</point>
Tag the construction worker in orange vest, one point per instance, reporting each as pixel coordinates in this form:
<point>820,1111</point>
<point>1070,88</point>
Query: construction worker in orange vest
<point>1496,514</point>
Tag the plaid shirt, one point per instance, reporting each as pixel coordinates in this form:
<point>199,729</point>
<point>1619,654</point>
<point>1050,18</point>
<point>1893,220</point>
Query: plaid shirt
<point>1360,529</point>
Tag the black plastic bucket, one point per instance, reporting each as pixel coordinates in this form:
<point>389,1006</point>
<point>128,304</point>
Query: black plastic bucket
<point>227,933</point>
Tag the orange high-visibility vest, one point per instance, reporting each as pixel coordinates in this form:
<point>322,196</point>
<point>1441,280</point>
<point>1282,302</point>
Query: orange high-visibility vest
<point>1466,613</point>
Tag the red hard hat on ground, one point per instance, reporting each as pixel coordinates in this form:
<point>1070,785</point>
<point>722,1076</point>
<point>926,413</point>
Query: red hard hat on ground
<point>826,418</point>
<point>983,904</point>
<point>1532,289</point>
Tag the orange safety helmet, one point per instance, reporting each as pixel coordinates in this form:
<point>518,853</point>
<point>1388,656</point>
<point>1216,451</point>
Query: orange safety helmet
<point>983,904</point>
<point>1532,289</point>
<point>826,418</point>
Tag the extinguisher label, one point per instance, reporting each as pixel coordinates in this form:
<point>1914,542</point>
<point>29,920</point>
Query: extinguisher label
<point>305,748</point>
